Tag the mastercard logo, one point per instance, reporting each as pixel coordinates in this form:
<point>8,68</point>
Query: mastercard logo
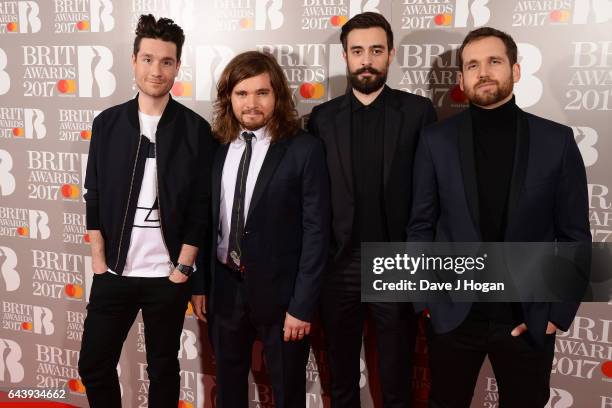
<point>12,27</point>
<point>86,238</point>
<point>559,16</point>
<point>312,90</point>
<point>184,404</point>
<point>66,86</point>
<point>443,19</point>
<point>73,291</point>
<point>182,89</point>
<point>189,311</point>
<point>70,191</point>
<point>606,369</point>
<point>23,231</point>
<point>246,22</point>
<point>338,21</point>
<point>457,95</point>
<point>82,25</point>
<point>86,134</point>
<point>18,132</point>
<point>75,385</point>
<point>26,326</point>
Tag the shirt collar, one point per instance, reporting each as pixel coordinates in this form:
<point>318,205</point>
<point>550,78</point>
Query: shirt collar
<point>377,103</point>
<point>261,134</point>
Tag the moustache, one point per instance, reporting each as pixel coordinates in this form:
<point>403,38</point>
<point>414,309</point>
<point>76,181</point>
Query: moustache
<point>252,112</point>
<point>369,70</point>
<point>485,81</point>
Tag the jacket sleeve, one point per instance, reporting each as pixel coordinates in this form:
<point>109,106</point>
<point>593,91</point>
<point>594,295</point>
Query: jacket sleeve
<point>425,200</point>
<point>316,214</point>
<point>198,217</point>
<point>571,217</point>
<point>91,179</point>
<point>199,220</point>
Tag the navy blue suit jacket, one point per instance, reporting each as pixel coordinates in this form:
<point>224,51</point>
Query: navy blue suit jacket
<point>547,202</point>
<point>286,233</point>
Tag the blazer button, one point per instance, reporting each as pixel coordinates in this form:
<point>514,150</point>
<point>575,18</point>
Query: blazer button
<point>247,232</point>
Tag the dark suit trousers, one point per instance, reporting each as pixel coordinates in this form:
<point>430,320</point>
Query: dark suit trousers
<point>395,325</point>
<point>522,369</point>
<point>114,302</point>
<point>232,335</point>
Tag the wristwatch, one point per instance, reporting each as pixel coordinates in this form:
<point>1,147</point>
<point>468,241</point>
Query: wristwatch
<point>185,269</point>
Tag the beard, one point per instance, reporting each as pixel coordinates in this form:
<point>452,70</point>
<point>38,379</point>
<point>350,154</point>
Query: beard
<point>253,124</point>
<point>371,84</point>
<point>490,97</point>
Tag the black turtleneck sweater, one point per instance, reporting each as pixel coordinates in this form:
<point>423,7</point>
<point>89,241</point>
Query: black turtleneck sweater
<point>495,133</point>
<point>494,143</point>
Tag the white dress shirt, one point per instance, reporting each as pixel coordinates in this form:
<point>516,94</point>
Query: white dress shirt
<point>260,144</point>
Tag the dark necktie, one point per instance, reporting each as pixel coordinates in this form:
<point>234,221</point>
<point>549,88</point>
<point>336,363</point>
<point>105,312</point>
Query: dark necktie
<point>234,250</point>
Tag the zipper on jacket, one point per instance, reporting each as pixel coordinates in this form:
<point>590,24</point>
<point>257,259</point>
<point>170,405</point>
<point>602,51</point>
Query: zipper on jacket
<point>159,210</point>
<point>127,207</point>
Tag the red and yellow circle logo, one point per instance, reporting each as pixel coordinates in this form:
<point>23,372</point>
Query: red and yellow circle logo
<point>12,27</point>
<point>246,23</point>
<point>73,291</point>
<point>66,86</point>
<point>23,231</point>
<point>182,89</point>
<point>82,25</point>
<point>443,19</point>
<point>75,385</point>
<point>457,95</point>
<point>26,326</point>
<point>312,90</point>
<point>86,134</point>
<point>71,191</point>
<point>18,132</point>
<point>338,21</point>
<point>559,16</point>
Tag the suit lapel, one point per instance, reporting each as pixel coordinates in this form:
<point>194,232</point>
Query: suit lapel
<point>217,174</point>
<point>521,156</point>
<point>468,167</point>
<point>343,140</point>
<point>275,153</point>
<point>393,122</point>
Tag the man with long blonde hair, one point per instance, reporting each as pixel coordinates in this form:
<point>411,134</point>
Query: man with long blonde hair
<point>271,217</point>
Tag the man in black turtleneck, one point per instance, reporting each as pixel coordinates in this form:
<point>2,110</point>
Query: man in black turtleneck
<point>495,173</point>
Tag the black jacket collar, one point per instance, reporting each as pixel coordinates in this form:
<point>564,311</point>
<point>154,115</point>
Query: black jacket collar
<point>167,116</point>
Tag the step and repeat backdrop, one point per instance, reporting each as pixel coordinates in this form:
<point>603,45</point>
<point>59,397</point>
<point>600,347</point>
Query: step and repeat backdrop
<point>63,61</point>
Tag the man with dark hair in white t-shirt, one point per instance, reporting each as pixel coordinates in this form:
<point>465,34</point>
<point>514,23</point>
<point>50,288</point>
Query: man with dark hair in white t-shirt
<point>148,193</point>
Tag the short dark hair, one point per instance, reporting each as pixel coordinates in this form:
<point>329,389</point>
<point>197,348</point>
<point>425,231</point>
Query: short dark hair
<point>368,19</point>
<point>482,32</point>
<point>163,29</point>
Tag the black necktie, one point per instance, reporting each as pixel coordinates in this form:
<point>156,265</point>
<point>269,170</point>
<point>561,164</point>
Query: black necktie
<point>234,250</point>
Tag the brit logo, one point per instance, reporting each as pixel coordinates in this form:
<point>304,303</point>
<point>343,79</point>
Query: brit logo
<point>5,80</point>
<point>24,223</point>
<point>11,369</point>
<point>587,137</point>
<point>424,14</point>
<point>234,15</point>
<point>590,85</point>
<point>8,265</point>
<point>83,16</point>
<point>68,70</point>
<point>19,17</point>
<point>22,123</point>
<point>27,318</point>
<point>55,173</point>
<point>561,12</point>
<point>75,124</point>
<point>7,180</point>
<point>58,275</point>
<point>600,214</point>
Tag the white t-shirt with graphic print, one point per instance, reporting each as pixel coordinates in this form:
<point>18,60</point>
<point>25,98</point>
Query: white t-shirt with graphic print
<point>147,255</point>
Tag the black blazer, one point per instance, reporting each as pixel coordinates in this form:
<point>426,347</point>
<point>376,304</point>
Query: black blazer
<point>286,234</point>
<point>405,116</point>
<point>547,202</point>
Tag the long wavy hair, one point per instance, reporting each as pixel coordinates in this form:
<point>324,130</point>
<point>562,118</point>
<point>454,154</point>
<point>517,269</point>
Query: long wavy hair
<point>284,120</point>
